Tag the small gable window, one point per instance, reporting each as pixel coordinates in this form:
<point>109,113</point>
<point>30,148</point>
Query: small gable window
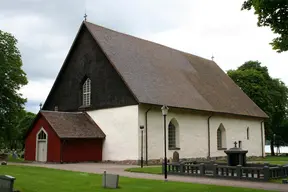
<point>247,132</point>
<point>86,92</point>
<point>221,137</point>
<point>41,135</point>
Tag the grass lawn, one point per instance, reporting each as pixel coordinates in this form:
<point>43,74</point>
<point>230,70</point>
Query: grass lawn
<point>18,160</point>
<point>275,160</point>
<point>148,169</point>
<point>36,179</point>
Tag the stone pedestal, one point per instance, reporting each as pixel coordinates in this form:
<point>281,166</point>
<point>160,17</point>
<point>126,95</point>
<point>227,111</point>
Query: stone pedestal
<point>236,156</point>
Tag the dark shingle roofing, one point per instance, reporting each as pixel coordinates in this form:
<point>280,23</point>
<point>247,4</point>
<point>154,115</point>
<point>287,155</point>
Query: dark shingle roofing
<point>72,124</point>
<point>160,75</point>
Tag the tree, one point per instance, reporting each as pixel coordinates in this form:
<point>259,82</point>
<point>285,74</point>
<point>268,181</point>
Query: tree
<point>12,78</point>
<point>274,14</point>
<point>268,93</point>
<point>23,126</point>
<point>283,130</point>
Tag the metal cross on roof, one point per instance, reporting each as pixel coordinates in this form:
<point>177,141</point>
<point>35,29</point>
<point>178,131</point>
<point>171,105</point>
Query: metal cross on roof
<point>85,17</point>
<point>212,57</point>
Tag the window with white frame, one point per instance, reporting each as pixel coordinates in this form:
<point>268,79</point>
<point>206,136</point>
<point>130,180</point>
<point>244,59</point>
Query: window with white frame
<point>221,137</point>
<point>42,135</point>
<point>173,134</point>
<point>86,92</point>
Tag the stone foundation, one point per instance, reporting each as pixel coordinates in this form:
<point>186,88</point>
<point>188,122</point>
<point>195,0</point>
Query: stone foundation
<point>160,161</point>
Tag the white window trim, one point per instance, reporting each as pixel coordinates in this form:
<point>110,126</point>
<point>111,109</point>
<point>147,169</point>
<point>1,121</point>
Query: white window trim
<point>223,137</point>
<point>86,95</point>
<point>177,135</point>
<point>37,140</point>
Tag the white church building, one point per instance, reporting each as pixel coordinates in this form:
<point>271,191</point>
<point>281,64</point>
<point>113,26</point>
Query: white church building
<point>120,82</point>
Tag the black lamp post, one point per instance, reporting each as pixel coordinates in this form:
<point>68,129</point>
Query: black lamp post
<point>141,128</point>
<point>164,113</point>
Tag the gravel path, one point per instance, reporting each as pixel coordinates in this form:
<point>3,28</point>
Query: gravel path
<point>119,169</point>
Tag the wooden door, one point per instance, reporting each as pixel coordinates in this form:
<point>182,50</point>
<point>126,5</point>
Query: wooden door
<point>42,151</point>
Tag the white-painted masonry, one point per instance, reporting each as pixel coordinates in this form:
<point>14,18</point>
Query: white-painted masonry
<point>121,128</point>
<point>123,136</point>
<point>193,133</point>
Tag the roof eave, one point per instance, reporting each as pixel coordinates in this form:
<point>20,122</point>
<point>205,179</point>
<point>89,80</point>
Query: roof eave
<point>63,65</point>
<point>75,137</point>
<point>210,112</point>
<point>113,65</point>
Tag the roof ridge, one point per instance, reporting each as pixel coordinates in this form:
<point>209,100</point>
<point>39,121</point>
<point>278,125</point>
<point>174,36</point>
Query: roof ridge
<point>148,41</point>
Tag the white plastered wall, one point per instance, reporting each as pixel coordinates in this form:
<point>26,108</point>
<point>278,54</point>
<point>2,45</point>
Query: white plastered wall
<point>121,128</point>
<point>193,133</point>
<point>236,130</point>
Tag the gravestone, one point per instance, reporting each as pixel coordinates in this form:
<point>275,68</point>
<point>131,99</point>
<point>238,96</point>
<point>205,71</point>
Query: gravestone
<point>110,180</point>
<point>175,157</point>
<point>6,183</point>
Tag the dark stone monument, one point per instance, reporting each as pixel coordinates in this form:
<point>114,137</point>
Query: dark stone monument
<point>6,183</point>
<point>175,157</point>
<point>236,156</point>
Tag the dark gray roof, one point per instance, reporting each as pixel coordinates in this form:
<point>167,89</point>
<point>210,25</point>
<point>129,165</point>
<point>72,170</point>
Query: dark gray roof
<point>160,75</point>
<point>73,124</point>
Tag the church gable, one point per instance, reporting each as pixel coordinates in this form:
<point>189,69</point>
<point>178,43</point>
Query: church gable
<point>87,80</point>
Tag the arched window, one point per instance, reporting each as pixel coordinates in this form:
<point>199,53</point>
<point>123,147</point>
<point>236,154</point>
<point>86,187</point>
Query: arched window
<point>221,137</point>
<point>86,91</point>
<point>247,132</point>
<point>41,135</point>
<point>173,134</point>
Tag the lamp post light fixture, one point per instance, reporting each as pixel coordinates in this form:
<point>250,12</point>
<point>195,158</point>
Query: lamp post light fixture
<point>165,109</point>
<point>141,128</point>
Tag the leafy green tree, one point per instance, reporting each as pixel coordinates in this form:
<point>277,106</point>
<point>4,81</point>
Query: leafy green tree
<point>268,93</point>
<point>12,78</point>
<point>283,131</point>
<point>23,126</point>
<point>274,14</point>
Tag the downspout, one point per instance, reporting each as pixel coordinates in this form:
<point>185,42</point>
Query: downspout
<point>61,151</point>
<point>146,135</point>
<point>208,123</point>
<point>262,138</point>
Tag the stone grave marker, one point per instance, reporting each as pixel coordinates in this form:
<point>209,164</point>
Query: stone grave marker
<point>175,157</point>
<point>6,183</point>
<point>110,180</point>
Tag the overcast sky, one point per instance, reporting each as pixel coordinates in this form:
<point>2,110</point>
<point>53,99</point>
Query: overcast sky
<point>45,31</point>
